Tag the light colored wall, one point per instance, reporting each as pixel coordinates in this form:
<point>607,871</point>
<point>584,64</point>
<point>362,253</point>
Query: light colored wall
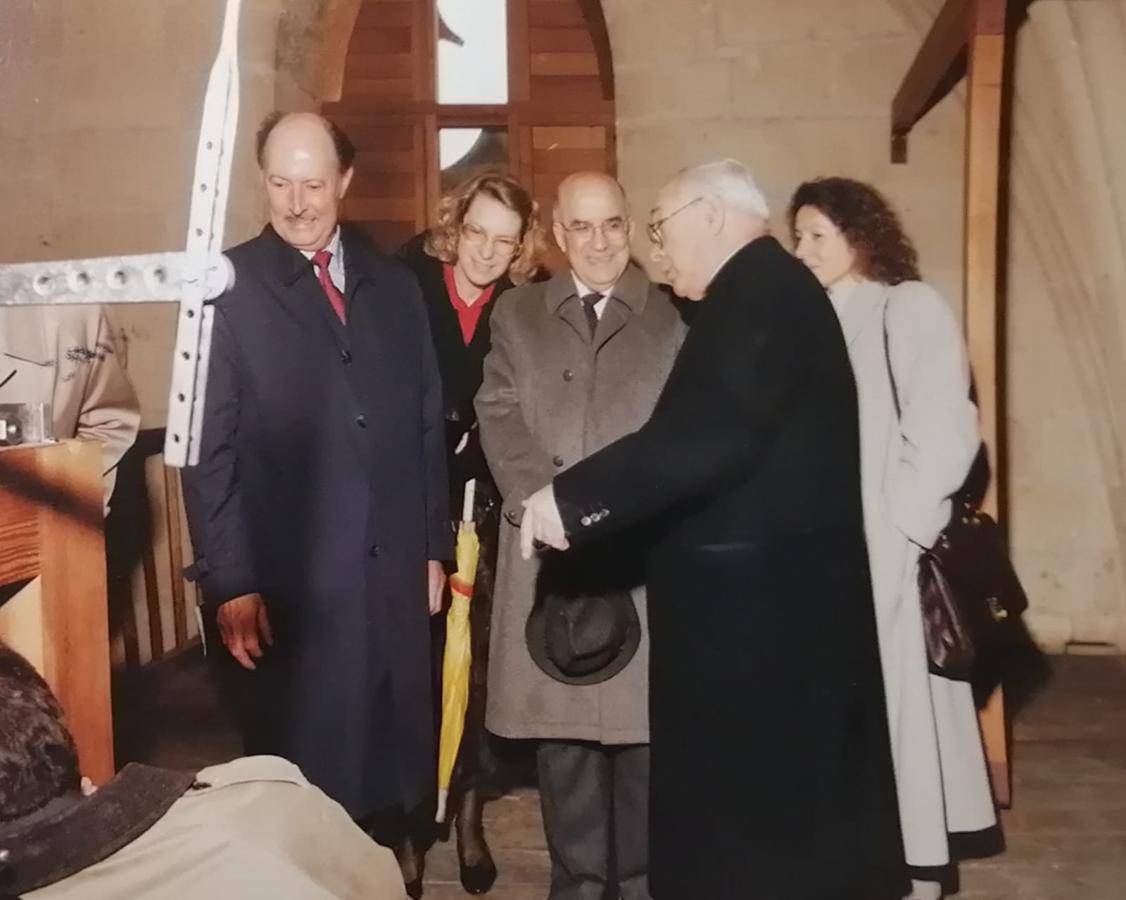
<point>803,89</point>
<point>794,90</point>
<point>101,104</point>
<point>1067,305</point>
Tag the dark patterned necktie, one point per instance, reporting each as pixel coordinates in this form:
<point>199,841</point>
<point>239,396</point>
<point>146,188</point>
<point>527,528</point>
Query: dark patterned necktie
<point>588,301</point>
<point>321,259</point>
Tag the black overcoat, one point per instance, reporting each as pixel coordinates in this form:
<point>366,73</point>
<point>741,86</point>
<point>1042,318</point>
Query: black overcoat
<point>771,768</point>
<point>322,485</point>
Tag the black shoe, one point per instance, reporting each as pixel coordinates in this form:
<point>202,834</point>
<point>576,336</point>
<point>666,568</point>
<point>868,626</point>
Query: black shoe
<point>475,863</point>
<point>479,877</point>
<point>478,872</point>
<point>414,889</point>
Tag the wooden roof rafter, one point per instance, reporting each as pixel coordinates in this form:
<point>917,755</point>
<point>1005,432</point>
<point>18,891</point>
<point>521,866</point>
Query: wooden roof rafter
<point>941,62</point>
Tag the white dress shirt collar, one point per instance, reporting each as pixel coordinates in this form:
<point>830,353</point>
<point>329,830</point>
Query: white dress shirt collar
<point>581,289</point>
<point>336,262</point>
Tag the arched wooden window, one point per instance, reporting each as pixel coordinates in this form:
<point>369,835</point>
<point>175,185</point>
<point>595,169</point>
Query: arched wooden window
<point>552,113</point>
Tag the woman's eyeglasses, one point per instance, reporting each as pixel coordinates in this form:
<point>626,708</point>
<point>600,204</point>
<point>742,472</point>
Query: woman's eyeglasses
<point>478,237</point>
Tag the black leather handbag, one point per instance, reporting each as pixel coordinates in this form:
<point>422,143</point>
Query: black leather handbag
<point>967,585</point>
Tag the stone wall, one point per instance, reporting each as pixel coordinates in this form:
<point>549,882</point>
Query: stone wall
<point>794,90</point>
<point>802,89</point>
<point>1067,319</point>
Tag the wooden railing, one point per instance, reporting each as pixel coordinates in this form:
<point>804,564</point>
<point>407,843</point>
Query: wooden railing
<point>152,607</point>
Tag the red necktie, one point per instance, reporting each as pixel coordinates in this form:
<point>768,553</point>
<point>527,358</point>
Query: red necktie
<point>321,260</point>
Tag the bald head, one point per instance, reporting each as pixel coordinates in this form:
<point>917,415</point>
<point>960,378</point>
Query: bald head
<point>585,184</point>
<point>306,168</point>
<point>345,150</point>
<point>592,227</point>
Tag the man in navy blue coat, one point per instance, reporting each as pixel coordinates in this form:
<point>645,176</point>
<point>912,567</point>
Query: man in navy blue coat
<point>318,509</point>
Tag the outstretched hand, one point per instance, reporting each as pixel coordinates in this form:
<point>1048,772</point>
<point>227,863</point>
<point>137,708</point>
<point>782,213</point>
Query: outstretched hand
<point>542,525</point>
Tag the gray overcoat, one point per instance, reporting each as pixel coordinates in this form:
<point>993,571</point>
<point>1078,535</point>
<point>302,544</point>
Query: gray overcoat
<point>550,397</point>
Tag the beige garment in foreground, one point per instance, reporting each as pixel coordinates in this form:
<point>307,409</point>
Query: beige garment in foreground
<point>69,357</point>
<point>260,831</point>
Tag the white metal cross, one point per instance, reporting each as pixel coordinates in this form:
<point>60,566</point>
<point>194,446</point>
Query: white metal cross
<point>194,276</point>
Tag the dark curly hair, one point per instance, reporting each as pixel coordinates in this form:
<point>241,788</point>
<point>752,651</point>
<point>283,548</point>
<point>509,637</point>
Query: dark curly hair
<point>867,221</point>
<point>38,759</point>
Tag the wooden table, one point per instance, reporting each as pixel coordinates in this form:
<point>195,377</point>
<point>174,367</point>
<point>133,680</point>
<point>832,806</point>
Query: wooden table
<point>51,528</point>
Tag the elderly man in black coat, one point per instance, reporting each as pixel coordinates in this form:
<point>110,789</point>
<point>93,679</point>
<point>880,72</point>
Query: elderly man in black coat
<point>771,768</point>
<point>319,508</point>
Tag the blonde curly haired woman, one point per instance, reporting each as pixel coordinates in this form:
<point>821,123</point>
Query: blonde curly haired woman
<point>485,240</point>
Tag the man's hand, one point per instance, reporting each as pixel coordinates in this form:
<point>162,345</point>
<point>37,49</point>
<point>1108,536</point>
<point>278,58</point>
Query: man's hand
<point>435,584</point>
<point>244,627</point>
<point>541,523</point>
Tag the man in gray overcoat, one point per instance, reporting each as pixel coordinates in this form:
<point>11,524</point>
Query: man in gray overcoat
<point>576,362</point>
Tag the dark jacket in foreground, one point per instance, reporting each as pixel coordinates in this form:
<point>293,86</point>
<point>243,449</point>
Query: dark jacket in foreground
<point>322,485</point>
<point>771,769</point>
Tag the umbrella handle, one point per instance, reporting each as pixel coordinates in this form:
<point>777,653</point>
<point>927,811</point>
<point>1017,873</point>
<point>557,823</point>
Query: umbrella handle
<point>443,796</point>
<point>467,502</point>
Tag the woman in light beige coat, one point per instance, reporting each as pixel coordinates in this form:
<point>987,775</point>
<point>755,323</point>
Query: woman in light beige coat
<point>911,464</point>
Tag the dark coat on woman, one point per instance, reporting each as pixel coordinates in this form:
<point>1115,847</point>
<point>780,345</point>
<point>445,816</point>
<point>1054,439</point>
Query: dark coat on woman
<point>322,486</point>
<point>771,768</point>
<point>478,765</point>
<point>459,363</point>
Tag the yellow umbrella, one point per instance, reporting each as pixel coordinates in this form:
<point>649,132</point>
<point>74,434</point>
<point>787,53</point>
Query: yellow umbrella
<point>458,655</point>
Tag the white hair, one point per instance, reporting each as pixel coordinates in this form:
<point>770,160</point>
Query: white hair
<point>730,181</point>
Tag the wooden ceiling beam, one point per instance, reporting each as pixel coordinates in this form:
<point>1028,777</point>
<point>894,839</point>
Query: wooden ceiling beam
<point>929,77</point>
<point>940,63</point>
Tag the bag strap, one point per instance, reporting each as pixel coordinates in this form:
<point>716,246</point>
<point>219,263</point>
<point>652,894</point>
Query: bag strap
<point>895,395</point>
<point>959,497</point>
<point>887,361</point>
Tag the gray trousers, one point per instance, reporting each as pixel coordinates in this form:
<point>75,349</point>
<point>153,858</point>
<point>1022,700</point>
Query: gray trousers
<point>595,801</point>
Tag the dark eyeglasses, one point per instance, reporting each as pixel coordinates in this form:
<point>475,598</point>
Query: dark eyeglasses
<point>654,228</point>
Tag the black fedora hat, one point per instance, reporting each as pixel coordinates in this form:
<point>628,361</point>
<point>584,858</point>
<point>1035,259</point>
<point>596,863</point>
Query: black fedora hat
<point>583,639</point>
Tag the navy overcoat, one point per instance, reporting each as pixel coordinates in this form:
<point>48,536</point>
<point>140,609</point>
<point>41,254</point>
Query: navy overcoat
<point>322,486</point>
